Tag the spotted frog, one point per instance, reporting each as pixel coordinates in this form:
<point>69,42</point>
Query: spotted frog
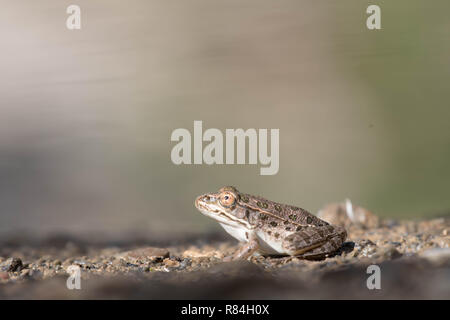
<point>270,228</point>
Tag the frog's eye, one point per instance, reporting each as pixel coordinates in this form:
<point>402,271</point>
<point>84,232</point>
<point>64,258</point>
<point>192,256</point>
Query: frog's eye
<point>227,199</point>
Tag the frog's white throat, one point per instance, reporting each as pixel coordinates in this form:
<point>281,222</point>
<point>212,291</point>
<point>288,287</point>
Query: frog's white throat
<point>240,233</point>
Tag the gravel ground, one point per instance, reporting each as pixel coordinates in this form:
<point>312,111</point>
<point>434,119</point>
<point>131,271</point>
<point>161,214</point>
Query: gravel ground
<point>414,257</point>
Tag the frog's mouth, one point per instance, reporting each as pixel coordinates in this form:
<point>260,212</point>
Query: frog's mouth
<point>211,210</point>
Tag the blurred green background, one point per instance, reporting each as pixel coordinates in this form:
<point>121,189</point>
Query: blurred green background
<point>86,116</point>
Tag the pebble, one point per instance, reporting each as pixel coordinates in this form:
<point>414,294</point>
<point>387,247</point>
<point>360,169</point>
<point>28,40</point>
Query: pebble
<point>171,263</point>
<point>14,265</point>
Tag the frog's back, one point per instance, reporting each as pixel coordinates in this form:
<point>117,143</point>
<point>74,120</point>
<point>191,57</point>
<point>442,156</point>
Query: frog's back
<point>288,213</point>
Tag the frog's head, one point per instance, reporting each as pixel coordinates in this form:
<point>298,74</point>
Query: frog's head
<point>224,207</point>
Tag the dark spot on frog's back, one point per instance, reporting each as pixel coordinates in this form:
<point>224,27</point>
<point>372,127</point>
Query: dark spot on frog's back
<point>262,204</point>
<point>278,207</point>
<point>309,220</point>
<point>273,224</point>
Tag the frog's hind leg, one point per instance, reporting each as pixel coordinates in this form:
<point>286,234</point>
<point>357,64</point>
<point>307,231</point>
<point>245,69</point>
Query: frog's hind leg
<point>325,250</point>
<point>315,242</point>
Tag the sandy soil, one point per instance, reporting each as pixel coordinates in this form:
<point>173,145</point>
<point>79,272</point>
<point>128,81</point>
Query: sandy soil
<point>414,257</point>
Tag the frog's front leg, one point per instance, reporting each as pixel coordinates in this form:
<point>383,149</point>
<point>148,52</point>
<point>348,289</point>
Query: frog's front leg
<point>315,242</point>
<point>245,251</point>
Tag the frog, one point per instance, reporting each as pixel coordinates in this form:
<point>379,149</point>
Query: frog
<point>268,228</point>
